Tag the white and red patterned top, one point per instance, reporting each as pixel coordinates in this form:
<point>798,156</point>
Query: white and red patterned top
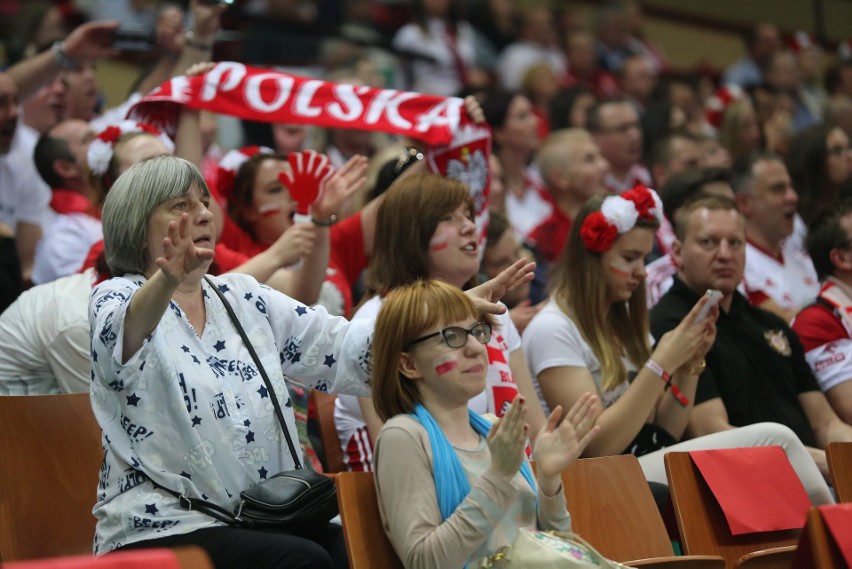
<point>827,338</point>
<point>790,280</point>
<point>531,209</point>
<point>659,276</point>
<point>500,390</point>
<point>638,175</point>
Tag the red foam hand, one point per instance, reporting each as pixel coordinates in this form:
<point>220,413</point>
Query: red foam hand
<point>308,170</point>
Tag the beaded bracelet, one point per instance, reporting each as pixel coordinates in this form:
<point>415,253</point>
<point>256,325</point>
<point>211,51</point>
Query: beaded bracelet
<point>331,221</point>
<point>664,375</point>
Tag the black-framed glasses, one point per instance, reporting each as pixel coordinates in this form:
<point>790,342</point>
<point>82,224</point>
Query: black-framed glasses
<point>456,336</point>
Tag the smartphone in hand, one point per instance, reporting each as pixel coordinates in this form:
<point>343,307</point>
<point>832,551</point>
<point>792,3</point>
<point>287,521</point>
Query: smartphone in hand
<point>130,37</point>
<point>715,296</point>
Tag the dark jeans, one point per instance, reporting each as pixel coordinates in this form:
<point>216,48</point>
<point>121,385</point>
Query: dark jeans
<point>237,548</point>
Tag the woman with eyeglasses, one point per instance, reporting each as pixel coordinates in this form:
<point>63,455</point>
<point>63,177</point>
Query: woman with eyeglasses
<point>425,230</point>
<point>452,487</point>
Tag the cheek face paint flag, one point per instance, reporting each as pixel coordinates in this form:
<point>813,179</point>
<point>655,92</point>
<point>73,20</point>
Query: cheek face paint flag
<point>458,148</point>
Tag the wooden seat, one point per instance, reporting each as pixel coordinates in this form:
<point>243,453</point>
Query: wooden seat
<point>50,456</point>
<point>612,507</point>
<point>324,405</point>
<point>704,529</point>
<point>839,457</point>
<point>189,557</point>
<point>816,547</point>
<point>366,543</point>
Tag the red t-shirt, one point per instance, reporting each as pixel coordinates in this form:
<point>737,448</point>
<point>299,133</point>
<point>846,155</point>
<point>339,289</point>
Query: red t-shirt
<point>551,236</point>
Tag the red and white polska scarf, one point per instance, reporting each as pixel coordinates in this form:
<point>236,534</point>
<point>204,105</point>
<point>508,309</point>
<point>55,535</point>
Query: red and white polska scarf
<point>458,148</point>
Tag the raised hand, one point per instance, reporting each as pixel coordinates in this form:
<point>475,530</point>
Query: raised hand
<point>507,440</point>
<point>486,295</point>
<point>684,343</point>
<point>169,32</point>
<point>295,243</point>
<point>557,447</point>
<point>474,109</point>
<point>339,187</point>
<point>180,255</point>
<point>91,41</point>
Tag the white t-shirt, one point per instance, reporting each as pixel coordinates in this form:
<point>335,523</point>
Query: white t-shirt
<point>65,245</point>
<point>552,339</point>
<point>790,281</point>
<point>24,196</point>
<point>659,279</point>
<point>500,388</point>
<point>530,210</point>
<point>638,174</point>
<point>44,338</point>
<point>441,76</point>
<point>518,57</point>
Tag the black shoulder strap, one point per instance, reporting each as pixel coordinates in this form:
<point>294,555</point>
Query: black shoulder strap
<point>262,371</point>
<point>209,508</point>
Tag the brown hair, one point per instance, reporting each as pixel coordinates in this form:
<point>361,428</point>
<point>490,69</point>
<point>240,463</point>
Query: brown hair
<point>407,312</point>
<point>406,222</point>
<point>609,329</point>
<point>701,200</point>
<point>242,195</point>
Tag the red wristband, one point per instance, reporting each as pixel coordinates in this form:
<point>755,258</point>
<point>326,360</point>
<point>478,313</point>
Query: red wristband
<point>664,375</point>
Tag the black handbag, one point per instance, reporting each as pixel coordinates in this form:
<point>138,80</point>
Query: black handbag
<point>299,500</point>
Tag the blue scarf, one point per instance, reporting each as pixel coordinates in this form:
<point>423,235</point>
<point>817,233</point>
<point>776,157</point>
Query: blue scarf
<point>451,483</point>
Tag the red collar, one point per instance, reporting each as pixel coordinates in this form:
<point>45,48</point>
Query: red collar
<point>68,201</point>
<point>779,257</point>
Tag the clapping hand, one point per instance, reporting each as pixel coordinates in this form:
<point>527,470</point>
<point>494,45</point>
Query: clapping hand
<point>557,447</point>
<point>180,255</point>
<point>507,440</point>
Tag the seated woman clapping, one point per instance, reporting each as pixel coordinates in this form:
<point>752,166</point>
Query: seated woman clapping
<point>453,488</point>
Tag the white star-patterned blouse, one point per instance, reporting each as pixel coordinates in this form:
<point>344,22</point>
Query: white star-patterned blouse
<point>192,413</point>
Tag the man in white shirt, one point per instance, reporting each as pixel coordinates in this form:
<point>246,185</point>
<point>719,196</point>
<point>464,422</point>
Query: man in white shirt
<point>24,196</point>
<point>44,339</point>
<point>614,123</point>
<point>60,157</point>
<point>825,327</point>
<point>779,277</point>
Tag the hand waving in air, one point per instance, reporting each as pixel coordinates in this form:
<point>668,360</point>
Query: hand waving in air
<point>181,254</point>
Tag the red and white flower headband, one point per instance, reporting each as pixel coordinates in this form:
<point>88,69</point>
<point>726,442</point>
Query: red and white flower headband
<point>101,148</point>
<point>618,215</point>
<point>229,165</point>
<point>718,103</point>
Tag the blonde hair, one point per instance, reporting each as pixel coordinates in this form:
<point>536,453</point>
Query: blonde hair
<point>407,312</point>
<point>609,329</point>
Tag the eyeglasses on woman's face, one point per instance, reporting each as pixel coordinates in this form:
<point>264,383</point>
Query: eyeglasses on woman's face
<point>456,336</point>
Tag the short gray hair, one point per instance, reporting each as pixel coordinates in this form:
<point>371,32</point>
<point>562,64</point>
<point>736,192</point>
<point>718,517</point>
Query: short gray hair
<point>130,203</point>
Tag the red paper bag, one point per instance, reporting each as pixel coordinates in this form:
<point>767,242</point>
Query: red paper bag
<point>756,487</point>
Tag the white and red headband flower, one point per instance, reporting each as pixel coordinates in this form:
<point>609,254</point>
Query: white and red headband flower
<point>230,164</point>
<point>101,148</point>
<point>618,215</point>
<point>718,103</point>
